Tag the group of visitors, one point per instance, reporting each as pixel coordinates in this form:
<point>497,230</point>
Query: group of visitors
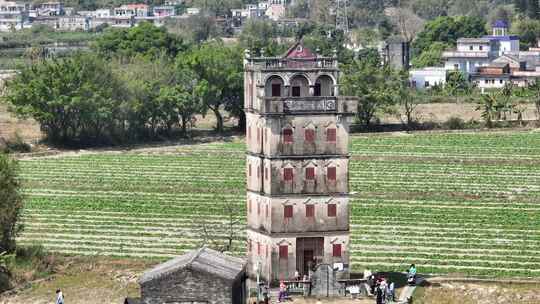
<point>383,289</point>
<point>299,282</point>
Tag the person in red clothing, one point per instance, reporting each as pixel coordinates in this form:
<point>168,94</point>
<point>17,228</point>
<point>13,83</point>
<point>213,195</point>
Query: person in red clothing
<point>282,291</point>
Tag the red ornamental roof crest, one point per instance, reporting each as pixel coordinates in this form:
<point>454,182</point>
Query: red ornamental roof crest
<point>299,51</point>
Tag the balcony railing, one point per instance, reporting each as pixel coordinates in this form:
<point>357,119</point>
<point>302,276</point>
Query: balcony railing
<point>294,63</point>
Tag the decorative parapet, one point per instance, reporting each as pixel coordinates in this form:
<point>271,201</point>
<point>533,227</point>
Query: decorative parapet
<point>293,105</point>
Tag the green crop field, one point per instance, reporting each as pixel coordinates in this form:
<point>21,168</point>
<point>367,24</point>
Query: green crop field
<point>464,203</point>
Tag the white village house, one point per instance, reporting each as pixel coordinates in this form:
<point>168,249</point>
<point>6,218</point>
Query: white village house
<point>427,77</point>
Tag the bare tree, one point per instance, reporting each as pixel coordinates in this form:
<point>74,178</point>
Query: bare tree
<point>406,21</point>
<point>221,235</point>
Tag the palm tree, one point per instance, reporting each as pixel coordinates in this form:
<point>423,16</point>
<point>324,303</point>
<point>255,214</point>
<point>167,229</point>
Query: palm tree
<point>534,93</point>
<point>488,106</point>
<point>504,105</point>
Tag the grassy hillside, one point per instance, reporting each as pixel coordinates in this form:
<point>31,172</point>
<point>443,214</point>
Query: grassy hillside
<point>451,203</point>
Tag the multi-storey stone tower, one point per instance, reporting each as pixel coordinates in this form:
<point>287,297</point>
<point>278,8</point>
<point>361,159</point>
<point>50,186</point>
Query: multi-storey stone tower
<point>297,163</point>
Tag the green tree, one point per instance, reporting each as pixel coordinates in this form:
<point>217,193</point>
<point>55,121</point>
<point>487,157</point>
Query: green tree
<point>457,84</point>
<point>146,39</point>
<point>432,56</point>
<point>376,87</point>
<point>11,203</point>
<point>222,68</point>
<point>448,30</point>
<point>528,30</point>
<point>259,34</point>
<point>179,103</point>
<point>409,102</point>
<point>74,99</point>
<point>528,8</point>
<point>144,77</point>
<point>430,9</point>
<point>194,29</point>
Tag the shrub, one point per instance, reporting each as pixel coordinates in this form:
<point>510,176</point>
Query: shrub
<point>31,252</point>
<point>454,123</point>
<point>16,144</point>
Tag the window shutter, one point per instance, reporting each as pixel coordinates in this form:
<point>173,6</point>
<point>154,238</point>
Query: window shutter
<point>249,245</point>
<point>288,174</point>
<point>331,173</point>
<point>258,135</point>
<point>310,211</point>
<point>331,135</point>
<point>332,210</point>
<point>283,252</point>
<point>266,210</point>
<point>258,248</point>
<point>287,136</point>
<point>249,206</point>
<point>309,135</point>
<point>266,173</point>
<point>336,250</point>
<point>249,170</point>
<point>258,208</point>
<point>310,173</point>
<point>288,211</point>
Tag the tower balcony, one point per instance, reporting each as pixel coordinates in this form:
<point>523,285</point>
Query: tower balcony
<point>306,105</point>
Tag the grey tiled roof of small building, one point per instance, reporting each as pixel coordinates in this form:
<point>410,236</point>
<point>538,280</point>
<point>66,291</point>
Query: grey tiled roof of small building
<point>203,259</point>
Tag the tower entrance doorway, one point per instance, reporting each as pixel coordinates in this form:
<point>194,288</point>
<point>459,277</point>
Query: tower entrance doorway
<point>309,253</point>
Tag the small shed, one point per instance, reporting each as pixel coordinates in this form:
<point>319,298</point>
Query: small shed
<point>200,276</point>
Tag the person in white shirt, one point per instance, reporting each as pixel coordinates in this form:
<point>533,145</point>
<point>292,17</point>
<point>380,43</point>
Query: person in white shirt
<point>59,297</point>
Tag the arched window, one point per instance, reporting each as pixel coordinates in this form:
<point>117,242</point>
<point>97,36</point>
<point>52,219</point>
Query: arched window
<point>324,86</point>
<point>299,86</point>
<point>274,87</point>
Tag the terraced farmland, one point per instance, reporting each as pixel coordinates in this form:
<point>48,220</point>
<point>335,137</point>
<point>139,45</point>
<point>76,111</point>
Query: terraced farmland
<point>453,203</point>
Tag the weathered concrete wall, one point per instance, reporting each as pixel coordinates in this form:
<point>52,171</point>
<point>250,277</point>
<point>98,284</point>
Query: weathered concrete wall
<point>267,214</point>
<point>187,286</point>
<point>268,176</point>
<point>266,135</point>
